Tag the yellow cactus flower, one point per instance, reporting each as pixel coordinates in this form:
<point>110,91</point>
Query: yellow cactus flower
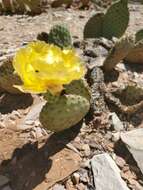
<point>45,67</point>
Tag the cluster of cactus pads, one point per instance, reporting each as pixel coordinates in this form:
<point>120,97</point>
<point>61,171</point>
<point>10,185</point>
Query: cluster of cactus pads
<point>32,6</point>
<point>64,111</point>
<point>128,48</point>
<point>111,24</point>
<point>59,35</point>
<point>136,54</point>
<point>61,111</point>
<point>114,24</point>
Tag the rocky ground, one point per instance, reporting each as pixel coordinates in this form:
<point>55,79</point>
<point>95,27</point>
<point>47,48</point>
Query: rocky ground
<point>105,149</point>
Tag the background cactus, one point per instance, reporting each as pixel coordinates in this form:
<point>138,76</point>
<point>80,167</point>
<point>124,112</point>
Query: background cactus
<point>116,20</point>
<point>120,50</point>
<point>136,54</point>
<point>93,28</point>
<point>59,35</point>
<point>32,6</point>
<point>139,35</point>
<point>112,24</point>
<point>8,78</point>
<point>69,108</point>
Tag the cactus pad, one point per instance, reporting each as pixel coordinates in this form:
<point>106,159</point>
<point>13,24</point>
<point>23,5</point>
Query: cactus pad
<point>139,35</point>
<point>111,24</point>
<point>136,55</point>
<point>93,28</point>
<point>78,87</point>
<point>120,50</point>
<point>116,20</point>
<point>60,36</point>
<point>67,111</point>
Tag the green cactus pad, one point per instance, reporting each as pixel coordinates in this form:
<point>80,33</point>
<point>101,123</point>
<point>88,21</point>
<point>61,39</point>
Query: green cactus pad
<point>116,20</point>
<point>67,111</point>
<point>136,54</point>
<point>8,78</point>
<point>139,35</point>
<point>60,36</point>
<point>120,50</point>
<point>78,87</point>
<point>93,28</point>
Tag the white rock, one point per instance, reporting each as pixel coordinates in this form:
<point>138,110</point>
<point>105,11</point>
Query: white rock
<point>58,187</point>
<point>38,132</point>
<point>3,180</point>
<point>31,117</point>
<point>75,178</point>
<point>117,124</point>
<point>116,136</point>
<point>86,149</point>
<point>106,173</point>
<point>2,125</point>
<point>134,142</point>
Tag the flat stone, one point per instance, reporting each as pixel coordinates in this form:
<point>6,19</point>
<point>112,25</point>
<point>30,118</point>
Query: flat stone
<point>116,122</point>
<point>3,180</point>
<point>116,136</point>
<point>134,142</point>
<point>33,115</point>
<point>76,178</point>
<point>58,187</point>
<point>106,173</point>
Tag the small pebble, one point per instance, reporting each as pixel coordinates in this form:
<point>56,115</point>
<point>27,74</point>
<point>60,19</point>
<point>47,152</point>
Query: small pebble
<point>75,178</point>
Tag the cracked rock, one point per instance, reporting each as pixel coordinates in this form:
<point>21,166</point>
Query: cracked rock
<point>106,173</point>
<point>134,142</point>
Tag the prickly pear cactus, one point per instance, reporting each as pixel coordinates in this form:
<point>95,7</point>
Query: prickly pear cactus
<point>139,35</point>
<point>67,111</point>
<point>111,24</point>
<point>93,28</point>
<point>14,6</point>
<point>120,50</point>
<point>60,36</point>
<point>116,20</point>
<point>102,3</point>
<point>136,54</point>
<point>78,87</point>
<point>8,78</point>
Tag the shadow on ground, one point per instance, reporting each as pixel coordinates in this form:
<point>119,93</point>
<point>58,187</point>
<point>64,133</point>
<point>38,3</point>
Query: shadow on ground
<point>9,102</point>
<point>29,164</point>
